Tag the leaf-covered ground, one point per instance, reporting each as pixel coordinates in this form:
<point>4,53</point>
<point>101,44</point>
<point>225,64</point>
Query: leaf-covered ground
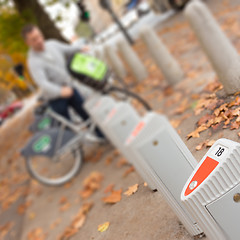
<point>108,199</point>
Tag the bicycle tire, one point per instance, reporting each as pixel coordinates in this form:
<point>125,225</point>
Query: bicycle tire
<point>59,181</point>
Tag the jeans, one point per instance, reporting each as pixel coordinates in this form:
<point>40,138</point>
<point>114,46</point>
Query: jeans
<point>61,106</point>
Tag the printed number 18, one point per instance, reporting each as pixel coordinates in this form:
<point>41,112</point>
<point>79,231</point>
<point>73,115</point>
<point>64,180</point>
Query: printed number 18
<point>219,151</point>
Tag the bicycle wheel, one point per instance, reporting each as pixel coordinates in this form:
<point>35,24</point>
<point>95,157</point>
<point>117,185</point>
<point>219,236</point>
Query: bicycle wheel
<point>57,171</point>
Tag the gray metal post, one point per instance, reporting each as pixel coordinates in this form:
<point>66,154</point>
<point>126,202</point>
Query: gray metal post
<point>221,53</point>
<point>163,58</point>
<point>115,62</point>
<point>136,66</point>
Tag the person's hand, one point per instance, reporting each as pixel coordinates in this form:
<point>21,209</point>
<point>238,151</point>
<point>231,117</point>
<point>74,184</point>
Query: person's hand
<point>86,48</point>
<point>66,92</point>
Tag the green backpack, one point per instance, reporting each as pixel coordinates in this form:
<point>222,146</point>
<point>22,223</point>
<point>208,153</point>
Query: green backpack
<point>89,70</point>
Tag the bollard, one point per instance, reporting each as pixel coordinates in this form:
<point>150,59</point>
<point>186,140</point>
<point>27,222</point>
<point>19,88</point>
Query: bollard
<point>221,53</point>
<point>115,62</point>
<point>136,66</point>
<point>117,126</point>
<point>212,192</point>
<point>100,109</point>
<point>119,123</point>
<point>163,58</point>
<point>91,101</point>
<point>165,161</point>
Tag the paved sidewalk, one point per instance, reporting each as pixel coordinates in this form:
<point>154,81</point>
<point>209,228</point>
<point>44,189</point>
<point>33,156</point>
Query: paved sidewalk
<point>145,214</point>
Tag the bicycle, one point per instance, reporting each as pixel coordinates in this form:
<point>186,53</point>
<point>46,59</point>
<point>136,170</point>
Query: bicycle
<point>57,139</point>
<point>55,155</point>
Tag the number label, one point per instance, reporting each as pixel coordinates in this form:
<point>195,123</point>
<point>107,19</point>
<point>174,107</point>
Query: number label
<point>219,151</point>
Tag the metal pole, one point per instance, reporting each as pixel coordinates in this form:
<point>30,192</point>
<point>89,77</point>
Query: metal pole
<point>106,5</point>
<point>122,28</point>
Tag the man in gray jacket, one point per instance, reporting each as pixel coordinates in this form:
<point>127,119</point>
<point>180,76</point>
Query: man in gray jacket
<point>47,65</point>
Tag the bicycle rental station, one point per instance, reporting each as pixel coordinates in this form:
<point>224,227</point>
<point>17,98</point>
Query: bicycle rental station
<point>207,202</point>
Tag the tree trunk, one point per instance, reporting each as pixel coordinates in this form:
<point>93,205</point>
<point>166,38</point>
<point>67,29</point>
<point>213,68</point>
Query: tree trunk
<point>31,10</point>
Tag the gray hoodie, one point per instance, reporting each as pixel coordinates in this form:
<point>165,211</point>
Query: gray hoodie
<point>48,68</point>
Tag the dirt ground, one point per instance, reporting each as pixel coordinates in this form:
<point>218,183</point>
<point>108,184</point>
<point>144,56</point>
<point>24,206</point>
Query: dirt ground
<point>48,213</point>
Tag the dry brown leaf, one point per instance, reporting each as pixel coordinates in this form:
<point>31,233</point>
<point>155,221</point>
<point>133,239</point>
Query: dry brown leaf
<point>23,207</point>
<point>128,171</point>
<point>183,107</point>
<point>108,160</point>
<point>77,222</point>
<point>36,234</point>
<point>222,108</point>
<point>204,119</point>
<point>195,133</point>
<point>236,102</point>
<point>131,190</point>
<point>55,223</point>
<point>114,197</point>
<point>213,87</point>
<point>63,200</point>
<point>234,125</point>
<point>209,143</point>
<point>68,185</point>
<point>176,123</point>
<point>109,188</point>
<point>65,207</point>
<point>86,193</point>
<point>122,162</point>
<point>200,146</point>
<point>4,229</point>
<point>168,91</point>
<point>206,143</point>
<point>217,126</point>
<point>91,184</point>
<point>145,184</point>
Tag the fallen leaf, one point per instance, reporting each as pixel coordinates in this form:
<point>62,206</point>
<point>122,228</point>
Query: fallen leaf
<point>200,146</point>
<point>86,193</point>
<point>65,207</point>
<point>236,102</point>
<point>222,108</point>
<point>213,87</point>
<point>77,222</point>
<point>131,190</point>
<point>4,229</point>
<point>204,119</point>
<point>128,171</point>
<point>55,223</point>
<point>114,197</point>
<point>122,162</point>
<point>234,125</point>
<point>195,133</point>
<point>91,184</point>
<point>176,123</point>
<point>183,107</point>
<point>103,227</point>
<point>209,143</point>
<point>63,200</point>
<point>145,184</point>
<point>22,208</point>
<point>36,234</point>
<point>109,188</point>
